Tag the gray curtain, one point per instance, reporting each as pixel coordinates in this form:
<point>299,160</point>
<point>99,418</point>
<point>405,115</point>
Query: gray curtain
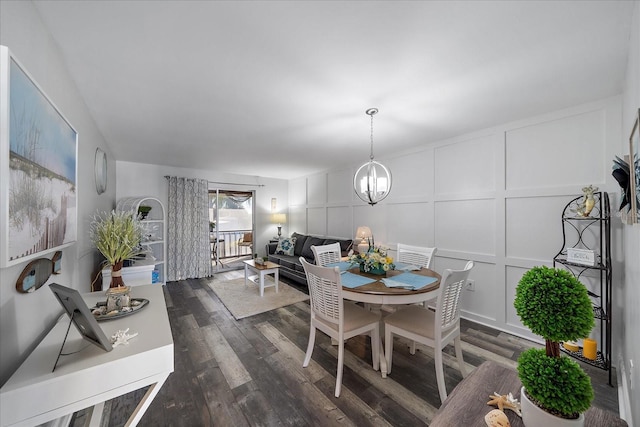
<point>188,250</point>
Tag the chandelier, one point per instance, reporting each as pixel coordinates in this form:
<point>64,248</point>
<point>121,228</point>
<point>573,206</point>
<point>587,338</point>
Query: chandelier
<point>372,181</point>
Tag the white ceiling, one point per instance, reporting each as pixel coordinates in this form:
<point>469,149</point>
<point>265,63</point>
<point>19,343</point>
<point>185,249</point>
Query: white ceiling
<point>280,89</point>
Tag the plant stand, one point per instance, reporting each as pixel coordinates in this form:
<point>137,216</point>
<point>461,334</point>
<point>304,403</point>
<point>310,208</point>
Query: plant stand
<point>591,233</point>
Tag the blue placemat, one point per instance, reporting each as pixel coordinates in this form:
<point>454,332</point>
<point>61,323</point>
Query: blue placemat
<point>342,265</point>
<point>409,280</point>
<point>350,280</point>
<point>406,267</point>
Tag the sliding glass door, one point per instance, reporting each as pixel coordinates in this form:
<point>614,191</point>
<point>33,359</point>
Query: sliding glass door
<point>231,227</point>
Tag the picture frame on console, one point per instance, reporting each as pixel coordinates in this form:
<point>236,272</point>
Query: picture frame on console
<point>38,168</point>
<point>80,315</point>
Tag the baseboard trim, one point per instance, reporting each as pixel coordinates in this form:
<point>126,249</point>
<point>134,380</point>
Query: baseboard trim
<point>624,399</point>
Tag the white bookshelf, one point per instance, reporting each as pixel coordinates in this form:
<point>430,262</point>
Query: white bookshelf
<point>154,238</point>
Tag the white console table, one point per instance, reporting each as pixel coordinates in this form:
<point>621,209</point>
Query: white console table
<point>35,394</point>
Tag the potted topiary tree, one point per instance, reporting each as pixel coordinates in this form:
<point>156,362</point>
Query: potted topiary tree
<point>555,389</point>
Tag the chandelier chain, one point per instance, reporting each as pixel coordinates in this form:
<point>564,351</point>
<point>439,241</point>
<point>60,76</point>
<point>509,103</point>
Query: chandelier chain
<point>371,112</point>
<point>371,156</point>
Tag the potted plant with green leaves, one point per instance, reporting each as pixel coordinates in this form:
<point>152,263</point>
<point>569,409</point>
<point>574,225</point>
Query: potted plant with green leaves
<point>555,389</point>
<point>143,211</point>
<point>117,235</point>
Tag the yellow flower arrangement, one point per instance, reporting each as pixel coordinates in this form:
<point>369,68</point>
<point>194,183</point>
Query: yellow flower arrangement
<point>374,260</point>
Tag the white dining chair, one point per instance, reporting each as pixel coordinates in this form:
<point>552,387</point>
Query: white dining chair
<point>433,329</point>
<point>415,255</point>
<point>337,318</point>
<point>326,254</point>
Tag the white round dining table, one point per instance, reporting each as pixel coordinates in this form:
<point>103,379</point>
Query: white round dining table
<point>378,294</point>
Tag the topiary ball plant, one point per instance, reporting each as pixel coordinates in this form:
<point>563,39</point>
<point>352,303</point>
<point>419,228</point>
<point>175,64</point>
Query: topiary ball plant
<point>555,305</point>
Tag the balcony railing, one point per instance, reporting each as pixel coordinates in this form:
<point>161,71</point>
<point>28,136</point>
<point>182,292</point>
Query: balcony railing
<point>230,244</point>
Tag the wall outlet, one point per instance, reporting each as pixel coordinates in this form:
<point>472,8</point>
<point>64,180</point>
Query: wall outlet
<point>470,285</point>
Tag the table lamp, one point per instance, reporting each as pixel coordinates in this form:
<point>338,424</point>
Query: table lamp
<point>279,218</point>
<point>366,238</point>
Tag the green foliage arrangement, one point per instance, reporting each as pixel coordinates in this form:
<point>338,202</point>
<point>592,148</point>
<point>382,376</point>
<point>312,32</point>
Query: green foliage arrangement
<point>117,235</point>
<point>557,384</point>
<point>555,305</point>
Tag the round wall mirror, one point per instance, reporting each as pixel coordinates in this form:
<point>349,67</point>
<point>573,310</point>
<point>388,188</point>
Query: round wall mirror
<point>101,171</point>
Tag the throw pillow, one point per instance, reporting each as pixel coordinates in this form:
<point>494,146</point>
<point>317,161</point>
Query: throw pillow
<point>311,241</point>
<point>285,246</point>
<point>299,246</point>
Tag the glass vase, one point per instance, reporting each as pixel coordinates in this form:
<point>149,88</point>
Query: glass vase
<point>118,298</point>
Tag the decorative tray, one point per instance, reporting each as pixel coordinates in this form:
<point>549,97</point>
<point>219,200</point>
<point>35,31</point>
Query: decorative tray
<point>99,311</point>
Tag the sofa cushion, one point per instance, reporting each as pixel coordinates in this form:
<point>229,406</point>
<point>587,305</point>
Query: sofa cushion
<point>288,263</point>
<point>285,246</point>
<point>299,246</point>
<point>311,241</point>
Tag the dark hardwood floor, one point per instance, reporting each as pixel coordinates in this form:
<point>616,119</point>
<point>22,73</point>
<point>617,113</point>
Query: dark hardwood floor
<point>249,372</point>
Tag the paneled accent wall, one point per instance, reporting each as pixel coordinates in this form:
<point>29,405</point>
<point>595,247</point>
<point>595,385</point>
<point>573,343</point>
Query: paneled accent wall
<point>494,196</point>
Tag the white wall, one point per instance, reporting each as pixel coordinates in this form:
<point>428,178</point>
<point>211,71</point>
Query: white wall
<point>495,196</point>
<point>138,179</point>
<point>25,318</point>
<point>629,350</point>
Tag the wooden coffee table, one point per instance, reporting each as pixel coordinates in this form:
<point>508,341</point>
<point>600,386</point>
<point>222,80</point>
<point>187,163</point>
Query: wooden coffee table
<point>260,271</point>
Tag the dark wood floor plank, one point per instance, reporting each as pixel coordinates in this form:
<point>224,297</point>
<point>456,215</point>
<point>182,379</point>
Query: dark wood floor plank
<point>314,406</point>
<point>256,407</point>
<point>220,401</point>
<point>404,397</point>
<point>228,360</point>
<point>484,343</point>
<point>317,400</point>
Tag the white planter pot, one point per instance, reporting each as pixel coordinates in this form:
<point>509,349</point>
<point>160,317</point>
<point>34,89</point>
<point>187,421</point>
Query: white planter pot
<point>533,416</point>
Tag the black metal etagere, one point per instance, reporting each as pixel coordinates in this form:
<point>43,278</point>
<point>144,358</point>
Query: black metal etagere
<point>593,233</point>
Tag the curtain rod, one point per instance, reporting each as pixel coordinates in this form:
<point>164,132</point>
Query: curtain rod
<point>228,183</point>
<point>236,183</point>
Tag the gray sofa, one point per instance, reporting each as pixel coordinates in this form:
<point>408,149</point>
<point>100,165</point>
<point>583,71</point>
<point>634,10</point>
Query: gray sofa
<point>290,266</point>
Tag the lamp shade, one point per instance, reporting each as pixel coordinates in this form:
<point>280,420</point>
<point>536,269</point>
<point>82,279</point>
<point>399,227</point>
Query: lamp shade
<point>278,218</point>
<point>365,237</point>
<point>363,232</point>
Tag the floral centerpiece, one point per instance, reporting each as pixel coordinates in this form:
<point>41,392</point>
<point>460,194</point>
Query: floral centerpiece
<point>374,261</point>
<point>117,235</point>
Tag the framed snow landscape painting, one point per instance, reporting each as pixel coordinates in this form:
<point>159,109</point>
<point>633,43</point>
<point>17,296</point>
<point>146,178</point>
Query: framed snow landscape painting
<point>38,169</point>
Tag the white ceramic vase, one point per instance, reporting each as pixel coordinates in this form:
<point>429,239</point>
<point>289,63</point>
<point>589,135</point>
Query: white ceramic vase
<point>533,416</point>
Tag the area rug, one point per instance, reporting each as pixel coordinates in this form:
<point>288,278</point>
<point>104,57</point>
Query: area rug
<point>244,301</point>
